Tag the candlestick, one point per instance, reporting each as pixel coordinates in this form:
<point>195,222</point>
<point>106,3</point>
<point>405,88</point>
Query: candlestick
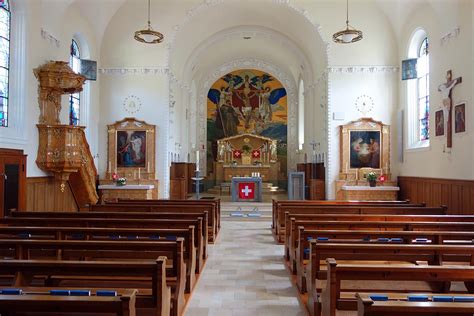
<point>148,167</point>
<point>138,173</point>
<point>109,168</point>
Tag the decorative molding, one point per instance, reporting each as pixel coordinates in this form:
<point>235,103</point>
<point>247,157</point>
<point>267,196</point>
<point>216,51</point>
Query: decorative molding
<point>251,63</point>
<point>363,69</point>
<point>161,70</point>
<point>50,38</point>
<point>446,38</point>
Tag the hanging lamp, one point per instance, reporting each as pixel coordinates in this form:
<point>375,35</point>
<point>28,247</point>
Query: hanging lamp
<point>148,35</point>
<point>350,34</point>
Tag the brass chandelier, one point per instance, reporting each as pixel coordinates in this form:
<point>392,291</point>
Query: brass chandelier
<point>350,34</point>
<point>149,36</point>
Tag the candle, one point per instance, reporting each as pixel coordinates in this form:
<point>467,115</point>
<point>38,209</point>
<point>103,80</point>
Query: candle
<point>134,174</point>
<point>148,167</point>
<point>109,168</point>
<point>197,160</point>
<point>138,173</point>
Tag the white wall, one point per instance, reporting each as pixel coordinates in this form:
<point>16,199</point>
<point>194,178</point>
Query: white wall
<point>455,54</point>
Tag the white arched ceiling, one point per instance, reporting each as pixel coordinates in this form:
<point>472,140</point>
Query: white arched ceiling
<point>214,17</point>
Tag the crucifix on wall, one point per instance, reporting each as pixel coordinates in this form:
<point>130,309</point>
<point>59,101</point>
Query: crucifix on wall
<point>446,90</point>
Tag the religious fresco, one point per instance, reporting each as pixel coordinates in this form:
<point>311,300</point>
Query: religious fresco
<point>247,101</point>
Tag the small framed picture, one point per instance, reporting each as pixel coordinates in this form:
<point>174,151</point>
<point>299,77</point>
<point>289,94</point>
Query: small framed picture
<point>460,118</point>
<point>439,123</point>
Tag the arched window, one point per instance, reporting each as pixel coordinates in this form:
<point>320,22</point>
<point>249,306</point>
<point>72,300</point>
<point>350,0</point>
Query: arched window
<point>74,99</point>
<point>301,115</point>
<point>5,16</point>
<point>418,93</point>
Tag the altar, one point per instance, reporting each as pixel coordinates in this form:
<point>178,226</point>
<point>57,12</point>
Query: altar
<point>246,189</point>
<point>129,191</point>
<point>246,155</point>
<point>367,193</point>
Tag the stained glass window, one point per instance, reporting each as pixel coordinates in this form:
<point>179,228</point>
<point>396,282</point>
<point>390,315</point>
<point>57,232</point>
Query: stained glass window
<point>4,59</point>
<point>423,69</point>
<point>74,99</point>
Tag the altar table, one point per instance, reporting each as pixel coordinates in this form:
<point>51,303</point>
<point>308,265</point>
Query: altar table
<point>367,193</point>
<point>246,189</point>
<point>129,191</point>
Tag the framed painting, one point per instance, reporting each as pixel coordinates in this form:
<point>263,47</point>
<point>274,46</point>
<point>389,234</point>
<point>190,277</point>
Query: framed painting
<point>364,149</point>
<point>460,118</point>
<point>131,149</point>
<point>364,146</point>
<point>439,123</point>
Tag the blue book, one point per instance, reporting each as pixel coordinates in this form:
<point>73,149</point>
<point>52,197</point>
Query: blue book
<point>172,238</point>
<point>254,215</point>
<point>306,251</point>
<point>421,240</point>
<point>464,299</point>
<point>322,238</point>
<point>378,297</point>
<point>417,298</point>
<point>442,298</point>
<point>383,239</point>
<point>59,292</point>
<point>114,236</point>
<point>24,235</point>
<point>132,237</point>
<point>155,237</point>
<point>11,291</point>
<point>309,238</point>
<point>396,239</point>
<point>106,293</point>
<point>80,293</point>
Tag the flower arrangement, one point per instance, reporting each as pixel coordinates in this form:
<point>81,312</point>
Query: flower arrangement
<point>121,181</point>
<point>371,178</point>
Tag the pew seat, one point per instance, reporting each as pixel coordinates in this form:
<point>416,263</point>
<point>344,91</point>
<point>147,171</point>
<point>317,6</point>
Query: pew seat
<point>45,302</point>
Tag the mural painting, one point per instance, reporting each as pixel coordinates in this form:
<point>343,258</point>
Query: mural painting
<point>247,101</point>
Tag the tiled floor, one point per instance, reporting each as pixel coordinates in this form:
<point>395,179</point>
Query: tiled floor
<point>245,275</point>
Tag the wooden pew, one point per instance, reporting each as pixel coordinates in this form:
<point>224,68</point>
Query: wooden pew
<point>44,302</point>
<point>200,230</point>
<point>291,219</point>
<point>435,306</point>
<point>291,244</point>
<point>279,206</point>
<point>152,273</point>
<point>168,208</point>
<point>331,299</point>
<point>280,224</point>
<point>213,201</point>
<point>200,242</point>
<point>114,235</point>
<point>303,258</point>
<point>192,251</point>
<point>105,250</point>
<point>434,254</point>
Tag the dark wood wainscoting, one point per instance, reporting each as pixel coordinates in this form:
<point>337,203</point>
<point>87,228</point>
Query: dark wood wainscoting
<point>44,194</point>
<point>458,195</point>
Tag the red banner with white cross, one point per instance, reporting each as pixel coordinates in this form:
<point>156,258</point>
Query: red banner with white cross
<point>237,154</point>
<point>256,153</point>
<point>247,191</point>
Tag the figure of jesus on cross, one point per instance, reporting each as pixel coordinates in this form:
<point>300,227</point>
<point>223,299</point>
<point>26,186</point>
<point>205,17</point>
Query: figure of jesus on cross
<point>446,90</point>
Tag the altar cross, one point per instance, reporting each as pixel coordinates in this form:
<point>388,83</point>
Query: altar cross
<point>446,90</point>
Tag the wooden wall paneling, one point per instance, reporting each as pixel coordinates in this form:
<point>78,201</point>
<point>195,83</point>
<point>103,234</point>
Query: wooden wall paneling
<point>458,195</point>
<point>44,194</point>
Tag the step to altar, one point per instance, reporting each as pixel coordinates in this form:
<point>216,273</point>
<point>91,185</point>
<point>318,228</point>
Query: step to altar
<point>224,189</point>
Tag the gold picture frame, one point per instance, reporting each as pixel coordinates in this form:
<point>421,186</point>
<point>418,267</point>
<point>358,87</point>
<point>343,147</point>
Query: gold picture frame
<point>364,146</point>
<point>131,149</point>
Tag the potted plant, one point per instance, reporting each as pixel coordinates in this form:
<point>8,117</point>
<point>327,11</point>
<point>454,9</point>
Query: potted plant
<point>121,181</point>
<point>372,178</point>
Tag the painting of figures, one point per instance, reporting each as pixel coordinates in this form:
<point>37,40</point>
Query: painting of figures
<point>247,101</point>
<point>439,123</point>
<point>131,149</point>
<point>460,118</point>
<point>365,149</point>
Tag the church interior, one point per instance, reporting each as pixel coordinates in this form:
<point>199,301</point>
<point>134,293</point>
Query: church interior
<point>236,157</point>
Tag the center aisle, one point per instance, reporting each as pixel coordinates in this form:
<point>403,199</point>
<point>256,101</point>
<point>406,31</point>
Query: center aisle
<point>245,274</point>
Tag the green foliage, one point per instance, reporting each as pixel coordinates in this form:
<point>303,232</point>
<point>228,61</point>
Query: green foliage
<point>371,176</point>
